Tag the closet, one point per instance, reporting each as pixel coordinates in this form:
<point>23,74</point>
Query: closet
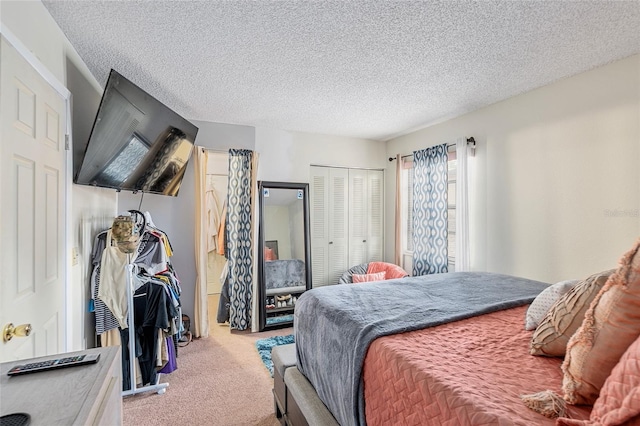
<point>347,220</point>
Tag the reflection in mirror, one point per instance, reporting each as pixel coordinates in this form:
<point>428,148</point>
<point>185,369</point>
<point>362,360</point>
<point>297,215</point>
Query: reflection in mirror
<point>284,224</point>
<point>285,253</point>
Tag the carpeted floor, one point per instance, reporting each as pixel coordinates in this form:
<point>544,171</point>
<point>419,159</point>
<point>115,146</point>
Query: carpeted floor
<point>220,381</point>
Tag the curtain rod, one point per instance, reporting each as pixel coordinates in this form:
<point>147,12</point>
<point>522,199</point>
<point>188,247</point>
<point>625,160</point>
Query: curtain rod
<point>470,141</point>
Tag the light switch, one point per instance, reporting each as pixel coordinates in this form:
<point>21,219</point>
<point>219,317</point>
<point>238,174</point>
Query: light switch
<point>74,256</point>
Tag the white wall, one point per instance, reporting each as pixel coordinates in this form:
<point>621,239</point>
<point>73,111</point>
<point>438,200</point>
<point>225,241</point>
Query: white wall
<point>296,217</point>
<point>555,190</point>
<point>286,156</point>
<point>175,215</point>
<point>90,208</point>
<point>279,229</point>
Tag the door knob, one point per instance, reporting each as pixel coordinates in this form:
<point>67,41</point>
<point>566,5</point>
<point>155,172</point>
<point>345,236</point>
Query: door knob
<point>22,330</point>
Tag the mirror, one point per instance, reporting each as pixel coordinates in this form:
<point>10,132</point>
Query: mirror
<point>284,250</point>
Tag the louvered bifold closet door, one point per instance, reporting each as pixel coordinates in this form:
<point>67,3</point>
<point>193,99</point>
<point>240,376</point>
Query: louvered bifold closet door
<point>358,221</point>
<point>375,216</point>
<point>338,223</point>
<point>319,192</point>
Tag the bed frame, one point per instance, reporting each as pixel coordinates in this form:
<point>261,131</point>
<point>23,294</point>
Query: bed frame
<point>296,402</point>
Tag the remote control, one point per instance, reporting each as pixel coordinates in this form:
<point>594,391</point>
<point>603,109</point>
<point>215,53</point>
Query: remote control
<point>54,364</point>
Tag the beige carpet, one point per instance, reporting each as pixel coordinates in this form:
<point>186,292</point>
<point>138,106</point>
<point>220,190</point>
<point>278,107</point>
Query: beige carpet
<point>220,380</point>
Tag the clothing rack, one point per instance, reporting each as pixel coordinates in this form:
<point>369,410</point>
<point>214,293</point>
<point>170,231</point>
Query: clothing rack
<point>150,276</point>
<point>157,387</point>
<point>470,141</point>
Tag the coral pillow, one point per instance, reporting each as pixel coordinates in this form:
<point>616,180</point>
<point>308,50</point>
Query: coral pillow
<point>619,398</point>
<point>610,326</point>
<point>269,254</point>
<point>393,271</point>
<point>544,301</point>
<point>364,278</point>
<point>565,316</point>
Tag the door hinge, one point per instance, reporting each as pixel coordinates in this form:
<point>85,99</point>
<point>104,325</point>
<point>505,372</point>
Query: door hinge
<point>66,142</point>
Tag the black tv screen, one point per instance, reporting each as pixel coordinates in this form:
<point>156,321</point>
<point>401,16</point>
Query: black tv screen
<point>136,143</point>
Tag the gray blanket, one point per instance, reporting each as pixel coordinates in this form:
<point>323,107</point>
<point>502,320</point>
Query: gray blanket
<point>334,325</point>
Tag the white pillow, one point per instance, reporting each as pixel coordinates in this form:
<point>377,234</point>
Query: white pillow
<point>544,301</point>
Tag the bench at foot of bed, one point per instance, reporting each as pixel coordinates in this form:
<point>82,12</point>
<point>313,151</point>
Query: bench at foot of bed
<point>295,400</point>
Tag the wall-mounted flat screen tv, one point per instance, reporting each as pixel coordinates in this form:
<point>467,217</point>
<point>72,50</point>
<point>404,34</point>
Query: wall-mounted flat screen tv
<point>137,143</point>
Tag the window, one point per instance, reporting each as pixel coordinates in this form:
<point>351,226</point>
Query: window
<point>406,186</point>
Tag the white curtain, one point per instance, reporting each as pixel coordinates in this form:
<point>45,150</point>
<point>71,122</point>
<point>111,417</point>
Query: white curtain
<point>463,261</point>
<point>201,313</point>
<point>397,259</point>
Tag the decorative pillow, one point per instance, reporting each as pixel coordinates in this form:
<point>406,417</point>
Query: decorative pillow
<point>364,278</point>
<point>619,397</point>
<point>269,254</point>
<point>392,270</point>
<point>565,316</point>
<point>617,403</point>
<point>611,325</point>
<point>544,301</point>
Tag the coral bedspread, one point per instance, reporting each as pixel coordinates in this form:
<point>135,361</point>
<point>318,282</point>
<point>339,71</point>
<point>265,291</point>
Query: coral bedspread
<point>468,372</point>
<point>334,325</point>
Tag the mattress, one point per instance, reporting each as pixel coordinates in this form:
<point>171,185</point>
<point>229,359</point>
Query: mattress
<point>334,325</point>
<point>468,372</point>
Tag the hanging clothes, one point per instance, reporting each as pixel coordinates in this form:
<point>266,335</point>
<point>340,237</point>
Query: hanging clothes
<point>105,321</point>
<point>152,255</point>
<point>222,234</point>
<point>224,302</point>
<point>113,274</point>
<point>150,316</point>
<point>172,364</point>
<point>213,219</point>
<point>156,305</point>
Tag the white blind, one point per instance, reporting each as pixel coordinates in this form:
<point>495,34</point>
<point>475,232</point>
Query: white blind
<point>318,207</point>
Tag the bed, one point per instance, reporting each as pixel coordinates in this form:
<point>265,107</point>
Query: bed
<point>446,349</point>
<point>284,276</point>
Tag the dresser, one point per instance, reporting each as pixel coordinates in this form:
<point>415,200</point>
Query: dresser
<point>82,395</point>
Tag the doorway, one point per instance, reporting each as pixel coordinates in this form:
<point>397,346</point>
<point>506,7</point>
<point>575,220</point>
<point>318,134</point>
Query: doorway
<point>217,172</point>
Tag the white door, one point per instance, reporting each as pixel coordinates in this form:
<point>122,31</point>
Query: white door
<point>338,223</point>
<point>319,205</point>
<point>32,184</point>
<point>375,216</point>
<point>358,217</point>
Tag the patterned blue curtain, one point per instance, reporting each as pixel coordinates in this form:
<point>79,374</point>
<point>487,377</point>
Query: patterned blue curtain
<point>239,241</point>
<point>430,211</point>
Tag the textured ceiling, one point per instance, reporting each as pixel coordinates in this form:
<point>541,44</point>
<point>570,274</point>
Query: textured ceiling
<point>368,69</point>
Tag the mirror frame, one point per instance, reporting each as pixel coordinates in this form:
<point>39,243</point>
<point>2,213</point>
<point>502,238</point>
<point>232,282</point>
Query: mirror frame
<point>261,262</point>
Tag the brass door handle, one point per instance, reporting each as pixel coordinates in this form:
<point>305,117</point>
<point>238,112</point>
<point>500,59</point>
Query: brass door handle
<point>22,330</point>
